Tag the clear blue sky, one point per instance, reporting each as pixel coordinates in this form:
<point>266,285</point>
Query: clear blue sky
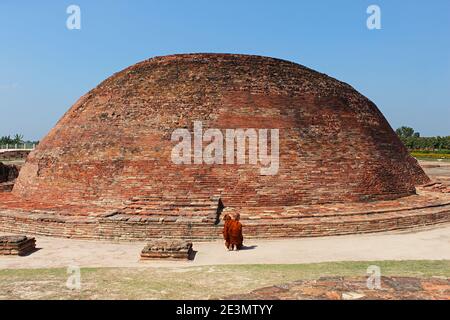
<point>404,67</point>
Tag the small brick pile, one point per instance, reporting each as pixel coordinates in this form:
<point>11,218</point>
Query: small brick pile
<point>16,245</point>
<point>14,154</point>
<point>438,187</point>
<point>355,288</point>
<point>8,175</point>
<point>167,249</point>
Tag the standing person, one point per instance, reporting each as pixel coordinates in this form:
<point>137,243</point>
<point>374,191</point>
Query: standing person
<point>235,233</point>
<point>226,233</point>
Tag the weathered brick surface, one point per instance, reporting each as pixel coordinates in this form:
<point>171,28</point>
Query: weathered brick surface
<point>6,186</point>
<point>14,155</point>
<point>8,172</point>
<point>354,288</point>
<point>105,170</point>
<point>417,211</point>
<point>114,143</point>
<point>8,176</point>
<point>16,245</point>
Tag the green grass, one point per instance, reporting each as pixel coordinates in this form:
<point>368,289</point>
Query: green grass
<point>432,159</point>
<point>193,282</point>
<point>442,151</point>
<point>430,155</point>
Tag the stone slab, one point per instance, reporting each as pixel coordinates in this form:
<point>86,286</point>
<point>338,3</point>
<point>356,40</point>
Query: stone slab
<point>17,245</point>
<point>167,249</point>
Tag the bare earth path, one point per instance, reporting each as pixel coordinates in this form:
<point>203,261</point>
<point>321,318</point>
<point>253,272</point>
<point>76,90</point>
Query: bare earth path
<point>422,244</point>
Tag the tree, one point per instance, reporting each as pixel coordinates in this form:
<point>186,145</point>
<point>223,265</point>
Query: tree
<point>6,140</point>
<point>405,132</point>
<point>18,138</point>
<point>413,141</point>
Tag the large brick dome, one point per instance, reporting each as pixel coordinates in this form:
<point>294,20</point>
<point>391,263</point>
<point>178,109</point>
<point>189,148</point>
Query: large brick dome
<point>114,145</point>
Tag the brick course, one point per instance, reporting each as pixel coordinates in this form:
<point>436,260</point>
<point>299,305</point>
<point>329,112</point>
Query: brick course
<point>291,222</point>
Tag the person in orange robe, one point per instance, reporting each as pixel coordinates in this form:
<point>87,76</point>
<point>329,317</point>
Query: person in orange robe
<point>235,233</point>
<point>226,226</point>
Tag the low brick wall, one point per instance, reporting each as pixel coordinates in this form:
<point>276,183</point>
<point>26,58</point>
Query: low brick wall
<point>107,229</point>
<point>14,155</point>
<point>8,172</point>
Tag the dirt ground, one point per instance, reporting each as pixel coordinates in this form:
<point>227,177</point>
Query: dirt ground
<point>429,244</point>
<point>437,169</point>
<point>206,282</point>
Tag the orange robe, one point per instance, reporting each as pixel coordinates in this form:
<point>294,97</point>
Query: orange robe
<point>226,232</point>
<point>235,234</point>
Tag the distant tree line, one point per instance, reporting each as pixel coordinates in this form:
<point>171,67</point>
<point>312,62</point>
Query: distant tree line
<point>410,138</point>
<point>413,141</point>
<point>16,139</point>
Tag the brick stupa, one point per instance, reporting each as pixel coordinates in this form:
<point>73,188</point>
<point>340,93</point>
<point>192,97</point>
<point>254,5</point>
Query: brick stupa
<point>109,157</point>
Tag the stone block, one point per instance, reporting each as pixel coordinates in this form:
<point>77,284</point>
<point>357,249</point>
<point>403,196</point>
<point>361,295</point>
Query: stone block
<point>167,249</point>
<point>17,245</point>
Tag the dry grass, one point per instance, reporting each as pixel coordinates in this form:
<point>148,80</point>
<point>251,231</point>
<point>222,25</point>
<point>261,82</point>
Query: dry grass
<point>191,283</point>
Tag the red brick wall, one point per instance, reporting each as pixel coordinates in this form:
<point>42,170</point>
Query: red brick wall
<point>114,143</point>
<point>107,229</point>
<point>14,155</point>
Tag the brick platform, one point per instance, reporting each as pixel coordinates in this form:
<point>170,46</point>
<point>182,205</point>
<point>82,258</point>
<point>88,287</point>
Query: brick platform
<point>353,288</point>
<point>428,208</point>
<point>167,249</point>
<point>105,170</point>
<point>16,245</point>
<point>14,155</point>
